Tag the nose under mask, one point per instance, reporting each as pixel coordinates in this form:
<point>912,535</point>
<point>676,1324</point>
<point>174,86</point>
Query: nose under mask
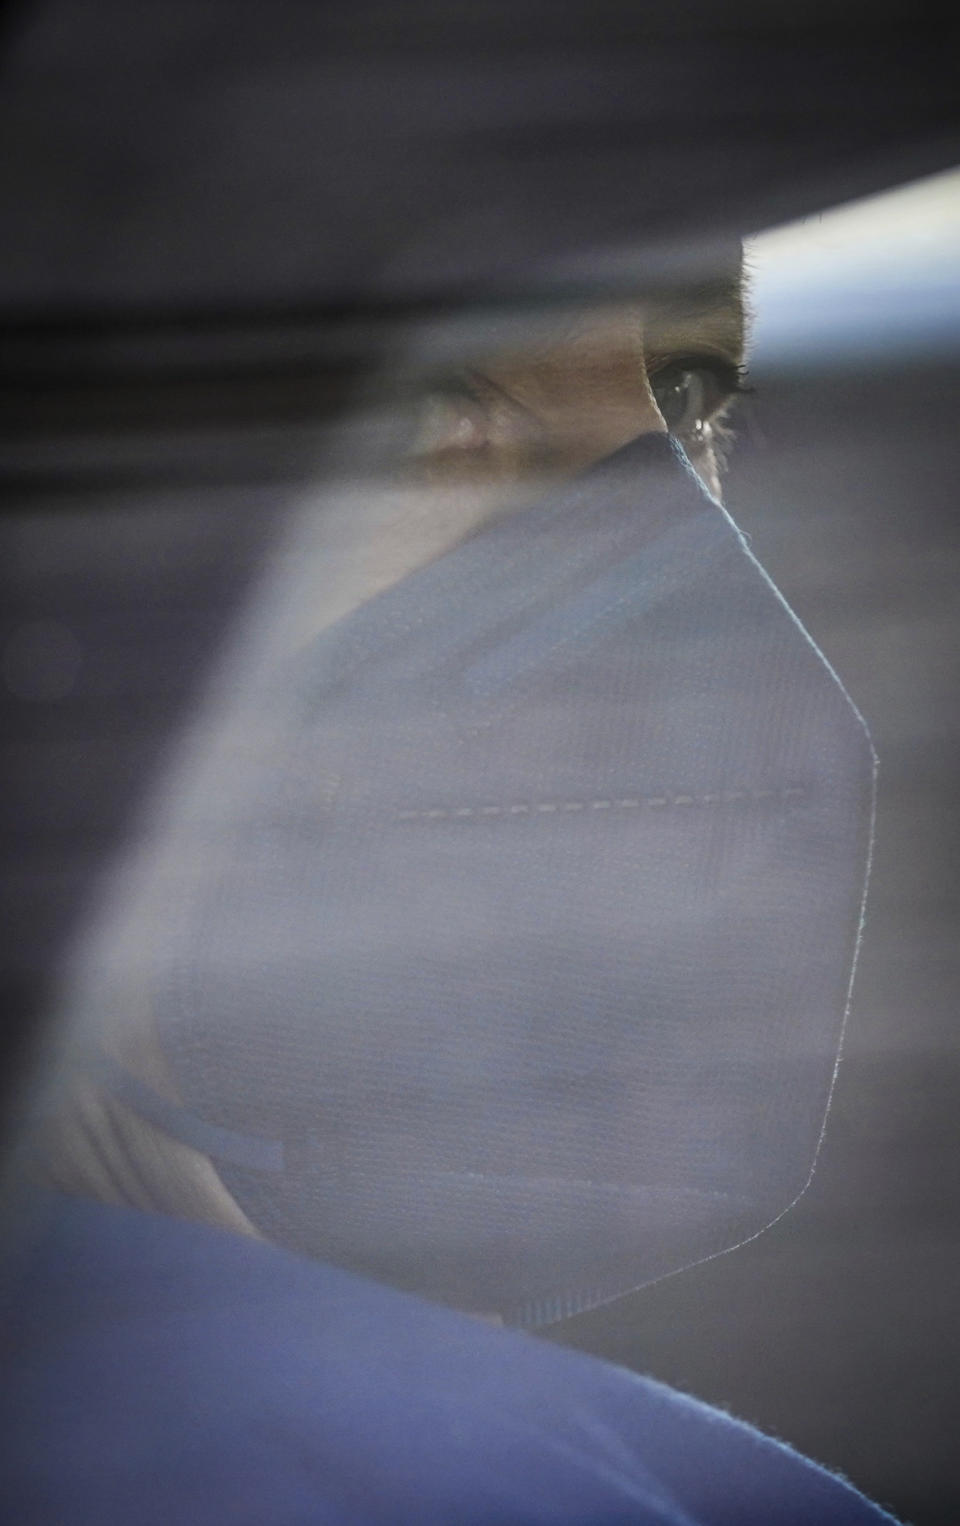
<point>516,974</point>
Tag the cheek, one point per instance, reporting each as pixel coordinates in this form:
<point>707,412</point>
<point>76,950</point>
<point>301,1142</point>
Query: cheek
<point>610,406</point>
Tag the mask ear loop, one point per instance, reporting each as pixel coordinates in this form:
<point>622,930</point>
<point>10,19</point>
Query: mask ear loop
<point>249,1151</point>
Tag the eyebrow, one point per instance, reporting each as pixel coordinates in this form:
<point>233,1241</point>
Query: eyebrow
<point>709,315</point>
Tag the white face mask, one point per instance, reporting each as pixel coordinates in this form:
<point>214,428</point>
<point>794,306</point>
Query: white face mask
<point>518,977</point>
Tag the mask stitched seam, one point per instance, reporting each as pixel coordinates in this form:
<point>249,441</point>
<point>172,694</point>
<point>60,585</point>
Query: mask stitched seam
<point>628,803</point>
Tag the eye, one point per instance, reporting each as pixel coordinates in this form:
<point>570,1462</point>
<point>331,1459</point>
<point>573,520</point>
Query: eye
<point>690,394</point>
<point>453,423</point>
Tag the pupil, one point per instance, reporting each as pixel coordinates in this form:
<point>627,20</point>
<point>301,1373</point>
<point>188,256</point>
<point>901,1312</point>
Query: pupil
<point>680,400</point>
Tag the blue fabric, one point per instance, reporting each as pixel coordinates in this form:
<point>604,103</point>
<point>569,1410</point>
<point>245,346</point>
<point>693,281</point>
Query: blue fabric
<point>167,1374</point>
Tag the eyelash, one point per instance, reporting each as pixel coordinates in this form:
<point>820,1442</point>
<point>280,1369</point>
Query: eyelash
<point>731,379</point>
<point>734,376</point>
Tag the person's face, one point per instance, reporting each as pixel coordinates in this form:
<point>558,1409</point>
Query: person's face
<point>534,408</point>
<point>526,403</point>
